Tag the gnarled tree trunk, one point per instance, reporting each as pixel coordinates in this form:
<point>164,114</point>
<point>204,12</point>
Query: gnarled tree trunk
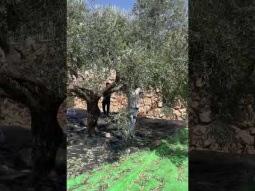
<point>48,136</point>
<point>93,114</point>
<point>92,99</point>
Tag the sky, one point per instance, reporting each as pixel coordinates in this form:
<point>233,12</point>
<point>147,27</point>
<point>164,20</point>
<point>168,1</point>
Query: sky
<point>122,4</point>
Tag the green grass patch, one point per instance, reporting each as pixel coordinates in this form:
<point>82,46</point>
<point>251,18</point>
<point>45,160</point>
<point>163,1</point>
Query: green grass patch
<point>163,168</point>
<point>175,148</point>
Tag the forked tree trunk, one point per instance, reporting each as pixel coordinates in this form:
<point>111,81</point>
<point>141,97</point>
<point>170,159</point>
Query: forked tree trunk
<point>48,136</point>
<point>93,114</point>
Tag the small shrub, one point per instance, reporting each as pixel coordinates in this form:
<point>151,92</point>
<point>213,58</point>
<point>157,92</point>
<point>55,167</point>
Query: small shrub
<point>121,119</point>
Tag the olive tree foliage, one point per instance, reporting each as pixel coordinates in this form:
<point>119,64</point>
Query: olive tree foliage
<point>147,47</point>
<point>220,40</point>
<point>161,27</point>
<point>96,43</point>
<point>4,5</point>
<point>147,54</point>
<point>44,62</point>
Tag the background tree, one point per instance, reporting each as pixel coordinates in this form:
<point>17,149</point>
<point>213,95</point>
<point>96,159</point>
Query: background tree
<point>161,26</point>
<point>220,45</point>
<point>215,43</point>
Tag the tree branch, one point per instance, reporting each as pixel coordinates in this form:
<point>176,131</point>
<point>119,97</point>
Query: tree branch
<point>30,80</point>
<point>12,89</point>
<point>82,93</point>
<point>115,86</point>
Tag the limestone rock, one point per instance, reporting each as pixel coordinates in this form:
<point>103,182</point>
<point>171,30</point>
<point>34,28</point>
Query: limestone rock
<point>147,101</point>
<point>200,129</point>
<point>208,143</point>
<point>245,125</point>
<point>156,143</point>
<point>183,111</point>
<point>205,116</point>
<point>177,107</point>
<point>160,104</point>
<point>108,135</point>
<point>246,137</point>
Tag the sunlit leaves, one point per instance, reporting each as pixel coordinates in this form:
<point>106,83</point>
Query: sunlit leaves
<point>143,46</point>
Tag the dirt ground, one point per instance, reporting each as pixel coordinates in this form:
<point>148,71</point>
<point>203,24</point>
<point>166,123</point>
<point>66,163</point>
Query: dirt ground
<point>210,171</point>
<point>207,170</point>
<point>15,162</point>
<point>85,154</point>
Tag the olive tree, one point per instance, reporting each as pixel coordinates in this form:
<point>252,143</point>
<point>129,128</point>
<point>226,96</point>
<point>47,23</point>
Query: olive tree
<point>104,39</point>
<point>98,43</point>
<point>219,51</point>
<point>162,27</point>
<point>36,77</point>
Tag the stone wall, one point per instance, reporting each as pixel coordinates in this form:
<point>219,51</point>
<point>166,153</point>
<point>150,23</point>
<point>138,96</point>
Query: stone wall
<point>151,106</point>
<point>241,129</point>
<point>12,113</point>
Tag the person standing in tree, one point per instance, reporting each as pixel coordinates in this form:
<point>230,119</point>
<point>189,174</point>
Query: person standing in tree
<point>106,101</point>
<point>134,107</point>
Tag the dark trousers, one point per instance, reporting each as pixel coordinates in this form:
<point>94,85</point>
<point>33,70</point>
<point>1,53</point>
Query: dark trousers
<point>106,104</point>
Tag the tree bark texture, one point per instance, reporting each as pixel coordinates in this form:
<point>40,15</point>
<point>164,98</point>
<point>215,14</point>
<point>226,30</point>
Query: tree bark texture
<point>93,114</point>
<point>48,136</point>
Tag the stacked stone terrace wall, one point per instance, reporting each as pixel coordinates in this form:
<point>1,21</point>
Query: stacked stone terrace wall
<point>13,113</point>
<point>201,120</point>
<point>151,106</point>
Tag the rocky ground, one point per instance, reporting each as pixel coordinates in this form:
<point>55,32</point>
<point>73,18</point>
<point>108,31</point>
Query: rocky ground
<point>86,153</point>
<point>15,163</point>
<point>210,171</point>
<point>83,153</point>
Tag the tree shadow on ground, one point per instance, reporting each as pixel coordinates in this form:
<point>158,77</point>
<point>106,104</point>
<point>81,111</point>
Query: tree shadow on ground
<point>210,170</point>
<point>147,132</point>
<point>175,147</point>
<point>16,162</point>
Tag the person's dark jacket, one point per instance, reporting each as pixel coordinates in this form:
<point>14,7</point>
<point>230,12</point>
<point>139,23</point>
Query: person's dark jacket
<point>107,97</point>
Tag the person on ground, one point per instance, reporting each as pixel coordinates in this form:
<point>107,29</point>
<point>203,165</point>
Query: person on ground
<point>106,101</point>
<point>134,108</point>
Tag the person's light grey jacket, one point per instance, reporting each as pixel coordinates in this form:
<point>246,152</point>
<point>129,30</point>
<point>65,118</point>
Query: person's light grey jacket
<point>134,99</point>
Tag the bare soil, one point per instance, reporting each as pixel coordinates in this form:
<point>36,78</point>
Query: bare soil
<point>210,171</point>
<point>15,162</point>
<point>85,154</point>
